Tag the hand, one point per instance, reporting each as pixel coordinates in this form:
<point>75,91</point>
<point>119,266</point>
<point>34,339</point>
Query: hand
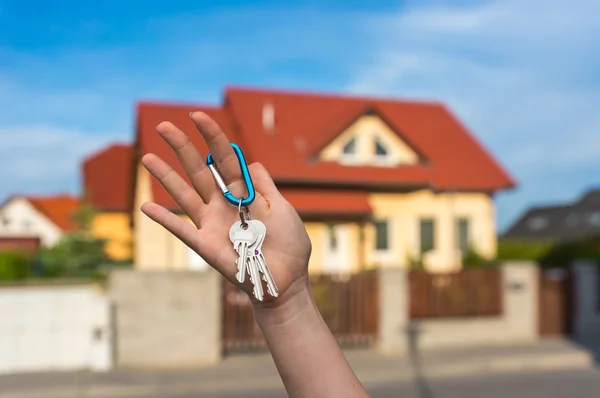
<point>286,247</point>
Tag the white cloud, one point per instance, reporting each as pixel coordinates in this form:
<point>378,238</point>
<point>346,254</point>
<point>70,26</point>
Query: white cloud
<point>32,156</point>
<point>519,73</point>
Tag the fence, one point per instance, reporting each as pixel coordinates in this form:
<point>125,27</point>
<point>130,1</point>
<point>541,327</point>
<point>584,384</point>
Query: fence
<point>348,304</point>
<point>469,293</point>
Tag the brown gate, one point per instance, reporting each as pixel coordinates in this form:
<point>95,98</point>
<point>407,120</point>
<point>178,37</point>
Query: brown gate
<point>348,303</point>
<point>555,302</point>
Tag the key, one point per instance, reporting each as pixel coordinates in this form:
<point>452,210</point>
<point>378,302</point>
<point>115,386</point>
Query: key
<point>242,238</point>
<point>257,256</point>
<point>255,278</point>
<point>252,265</point>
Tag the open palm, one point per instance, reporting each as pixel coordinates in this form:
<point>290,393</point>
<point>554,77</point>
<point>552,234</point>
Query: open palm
<point>286,247</point>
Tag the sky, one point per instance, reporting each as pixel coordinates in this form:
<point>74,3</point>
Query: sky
<point>522,75</point>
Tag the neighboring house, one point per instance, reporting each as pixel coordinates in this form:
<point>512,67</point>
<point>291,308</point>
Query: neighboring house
<point>376,181</point>
<point>25,219</point>
<point>107,186</point>
<point>572,221</point>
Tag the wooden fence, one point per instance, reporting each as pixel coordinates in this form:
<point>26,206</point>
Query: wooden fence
<point>468,293</point>
<point>348,303</point>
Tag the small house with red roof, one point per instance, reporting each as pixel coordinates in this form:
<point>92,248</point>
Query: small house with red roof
<point>28,222</point>
<point>378,182</point>
<point>107,185</point>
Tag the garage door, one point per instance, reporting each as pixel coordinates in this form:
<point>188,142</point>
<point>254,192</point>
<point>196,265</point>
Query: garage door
<point>49,328</point>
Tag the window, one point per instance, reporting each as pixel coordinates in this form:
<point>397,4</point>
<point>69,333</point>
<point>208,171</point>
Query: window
<point>594,218</point>
<point>332,236</point>
<point>572,220</point>
<point>381,235</point>
<point>380,149</point>
<point>462,242</point>
<point>427,230</point>
<point>350,147</point>
<point>537,223</point>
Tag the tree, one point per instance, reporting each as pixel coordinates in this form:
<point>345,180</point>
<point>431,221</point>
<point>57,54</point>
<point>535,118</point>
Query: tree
<point>78,253</point>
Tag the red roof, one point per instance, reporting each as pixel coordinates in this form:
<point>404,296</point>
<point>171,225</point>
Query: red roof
<point>451,158</point>
<point>58,209</point>
<point>327,201</point>
<point>108,177</point>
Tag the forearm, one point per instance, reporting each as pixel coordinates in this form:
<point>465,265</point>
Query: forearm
<point>305,352</point>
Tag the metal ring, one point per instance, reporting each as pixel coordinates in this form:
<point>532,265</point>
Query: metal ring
<point>241,214</point>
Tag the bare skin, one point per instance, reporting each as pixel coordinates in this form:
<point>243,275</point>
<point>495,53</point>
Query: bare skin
<point>307,356</point>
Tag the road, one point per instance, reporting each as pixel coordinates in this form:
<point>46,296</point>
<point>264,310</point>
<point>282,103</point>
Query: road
<point>557,384</point>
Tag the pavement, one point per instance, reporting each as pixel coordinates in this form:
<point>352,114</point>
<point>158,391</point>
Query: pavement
<point>255,374</point>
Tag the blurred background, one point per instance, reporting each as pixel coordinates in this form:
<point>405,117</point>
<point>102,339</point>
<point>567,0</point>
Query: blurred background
<point>441,154</point>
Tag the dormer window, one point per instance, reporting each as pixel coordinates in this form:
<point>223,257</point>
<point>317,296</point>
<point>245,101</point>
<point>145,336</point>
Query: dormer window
<point>380,149</point>
<point>350,147</point>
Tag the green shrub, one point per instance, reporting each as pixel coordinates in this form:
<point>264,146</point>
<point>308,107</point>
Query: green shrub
<point>472,259</point>
<point>14,266</point>
<point>522,250</point>
<point>564,254</point>
<point>76,255</point>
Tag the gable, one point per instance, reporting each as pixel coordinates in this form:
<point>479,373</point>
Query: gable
<point>369,141</point>
<point>18,217</point>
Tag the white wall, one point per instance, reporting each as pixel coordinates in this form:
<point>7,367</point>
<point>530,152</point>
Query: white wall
<point>20,218</point>
<point>54,327</point>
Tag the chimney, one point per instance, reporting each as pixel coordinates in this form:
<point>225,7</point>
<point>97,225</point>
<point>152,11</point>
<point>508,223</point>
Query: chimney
<point>268,118</point>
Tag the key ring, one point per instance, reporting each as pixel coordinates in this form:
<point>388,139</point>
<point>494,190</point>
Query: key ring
<point>210,162</point>
<point>241,214</point>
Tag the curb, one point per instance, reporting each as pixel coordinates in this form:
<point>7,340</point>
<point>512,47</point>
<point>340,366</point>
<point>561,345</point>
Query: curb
<point>511,364</point>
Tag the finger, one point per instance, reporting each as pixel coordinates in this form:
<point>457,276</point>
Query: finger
<point>191,160</point>
<point>176,225</point>
<point>185,197</point>
<point>218,143</point>
<point>263,182</point>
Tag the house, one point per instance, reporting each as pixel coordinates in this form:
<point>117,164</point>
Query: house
<point>559,223</point>
<point>107,186</point>
<point>29,222</point>
<point>376,181</point>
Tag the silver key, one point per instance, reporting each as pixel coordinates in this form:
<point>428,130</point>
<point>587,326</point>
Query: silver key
<point>258,258</point>
<point>252,265</point>
<point>242,238</point>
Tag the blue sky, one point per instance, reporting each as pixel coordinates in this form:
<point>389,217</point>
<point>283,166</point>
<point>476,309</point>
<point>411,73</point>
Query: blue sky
<point>521,74</point>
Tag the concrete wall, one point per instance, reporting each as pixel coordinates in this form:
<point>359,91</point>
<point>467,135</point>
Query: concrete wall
<point>54,327</point>
<point>166,319</point>
<point>587,314</point>
<point>518,323</point>
<point>393,310</point>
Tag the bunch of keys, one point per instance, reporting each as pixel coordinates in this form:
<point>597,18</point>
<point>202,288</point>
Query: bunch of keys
<point>247,235</point>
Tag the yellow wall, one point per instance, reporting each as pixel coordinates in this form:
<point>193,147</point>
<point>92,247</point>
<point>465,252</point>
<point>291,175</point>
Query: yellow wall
<point>114,227</point>
<point>365,130</point>
<point>155,247</point>
<point>404,212</point>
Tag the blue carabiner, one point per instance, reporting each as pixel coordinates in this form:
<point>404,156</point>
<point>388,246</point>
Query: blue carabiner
<point>210,162</point>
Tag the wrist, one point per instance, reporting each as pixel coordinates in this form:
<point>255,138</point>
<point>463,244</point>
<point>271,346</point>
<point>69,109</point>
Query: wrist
<point>295,300</point>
